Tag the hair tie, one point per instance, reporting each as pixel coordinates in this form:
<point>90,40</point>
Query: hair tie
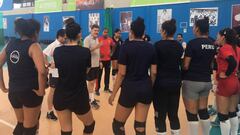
<point>225,33</point>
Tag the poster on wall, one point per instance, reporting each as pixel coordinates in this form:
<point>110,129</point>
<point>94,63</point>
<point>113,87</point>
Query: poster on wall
<point>162,16</point>
<point>44,6</point>
<point>46,23</point>
<point>93,18</point>
<point>125,21</point>
<point>64,18</point>
<point>200,13</point>
<point>23,3</point>
<point>69,5</point>
<point>89,4</point>
<point>4,23</point>
<point>235,15</point>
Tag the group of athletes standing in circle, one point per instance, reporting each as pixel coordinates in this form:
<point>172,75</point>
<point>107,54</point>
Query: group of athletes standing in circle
<point>145,73</point>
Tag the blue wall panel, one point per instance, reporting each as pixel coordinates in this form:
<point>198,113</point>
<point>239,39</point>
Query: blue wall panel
<point>181,13</point>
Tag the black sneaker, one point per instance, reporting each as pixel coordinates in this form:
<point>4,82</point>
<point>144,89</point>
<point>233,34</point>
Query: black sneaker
<point>95,105</point>
<point>97,93</point>
<point>52,116</point>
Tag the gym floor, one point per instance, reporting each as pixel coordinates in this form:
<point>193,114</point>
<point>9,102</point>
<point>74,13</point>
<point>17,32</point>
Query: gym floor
<point>103,117</point>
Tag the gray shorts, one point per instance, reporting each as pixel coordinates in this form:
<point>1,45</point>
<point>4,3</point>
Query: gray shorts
<point>194,90</point>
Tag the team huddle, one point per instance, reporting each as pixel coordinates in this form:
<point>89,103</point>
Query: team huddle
<point>143,72</point>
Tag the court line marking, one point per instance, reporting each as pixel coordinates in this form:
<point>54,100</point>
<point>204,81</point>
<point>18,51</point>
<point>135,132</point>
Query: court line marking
<point>7,124</point>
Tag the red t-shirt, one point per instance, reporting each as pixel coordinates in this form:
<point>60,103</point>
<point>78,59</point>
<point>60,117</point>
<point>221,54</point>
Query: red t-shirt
<point>225,52</point>
<point>105,49</point>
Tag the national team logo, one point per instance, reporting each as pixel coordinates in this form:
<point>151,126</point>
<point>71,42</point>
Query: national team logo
<point>1,3</point>
<point>14,57</point>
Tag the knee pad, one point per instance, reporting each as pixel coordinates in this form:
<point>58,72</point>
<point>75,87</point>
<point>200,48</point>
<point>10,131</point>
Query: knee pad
<point>232,114</point>
<point>223,117</point>
<point>140,125</point>
<point>191,117</point>
<point>30,131</point>
<point>203,114</point>
<point>66,133</point>
<point>18,129</point>
<point>89,129</point>
<point>160,125</point>
<point>117,125</point>
<point>114,71</point>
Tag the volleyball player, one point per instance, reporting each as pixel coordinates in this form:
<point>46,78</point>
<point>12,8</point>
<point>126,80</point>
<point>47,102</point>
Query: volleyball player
<point>135,59</point>
<point>168,82</point>
<point>53,73</point>
<point>71,94</point>
<point>227,96</point>
<point>27,76</point>
<point>115,52</point>
<point>199,55</point>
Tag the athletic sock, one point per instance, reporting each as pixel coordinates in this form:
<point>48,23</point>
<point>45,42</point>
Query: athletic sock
<point>91,95</point>
<point>234,125</point>
<point>175,132</point>
<point>225,127</point>
<point>205,124</point>
<point>193,127</point>
<point>161,133</point>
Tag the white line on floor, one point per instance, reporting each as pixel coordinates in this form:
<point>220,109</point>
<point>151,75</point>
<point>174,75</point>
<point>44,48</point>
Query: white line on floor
<point>7,124</point>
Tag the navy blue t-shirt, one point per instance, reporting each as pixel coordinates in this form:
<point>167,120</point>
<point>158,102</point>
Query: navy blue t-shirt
<point>138,56</point>
<point>72,63</point>
<point>201,51</point>
<point>169,53</point>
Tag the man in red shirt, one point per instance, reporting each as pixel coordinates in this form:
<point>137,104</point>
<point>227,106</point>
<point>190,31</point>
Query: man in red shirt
<point>105,60</point>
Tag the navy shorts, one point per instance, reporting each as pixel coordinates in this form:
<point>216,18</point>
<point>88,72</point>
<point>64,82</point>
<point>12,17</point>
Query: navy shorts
<point>93,74</point>
<point>75,101</point>
<point>133,92</point>
<point>24,98</point>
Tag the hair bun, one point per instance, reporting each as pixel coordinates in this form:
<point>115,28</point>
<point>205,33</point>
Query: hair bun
<point>20,22</point>
<point>70,25</point>
<point>140,20</point>
<point>173,21</point>
<point>69,21</point>
<point>138,27</point>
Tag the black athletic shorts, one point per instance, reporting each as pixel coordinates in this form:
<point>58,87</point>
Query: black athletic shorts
<point>52,81</point>
<point>24,98</point>
<point>93,74</point>
<point>133,92</point>
<point>75,101</point>
<point>114,56</point>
